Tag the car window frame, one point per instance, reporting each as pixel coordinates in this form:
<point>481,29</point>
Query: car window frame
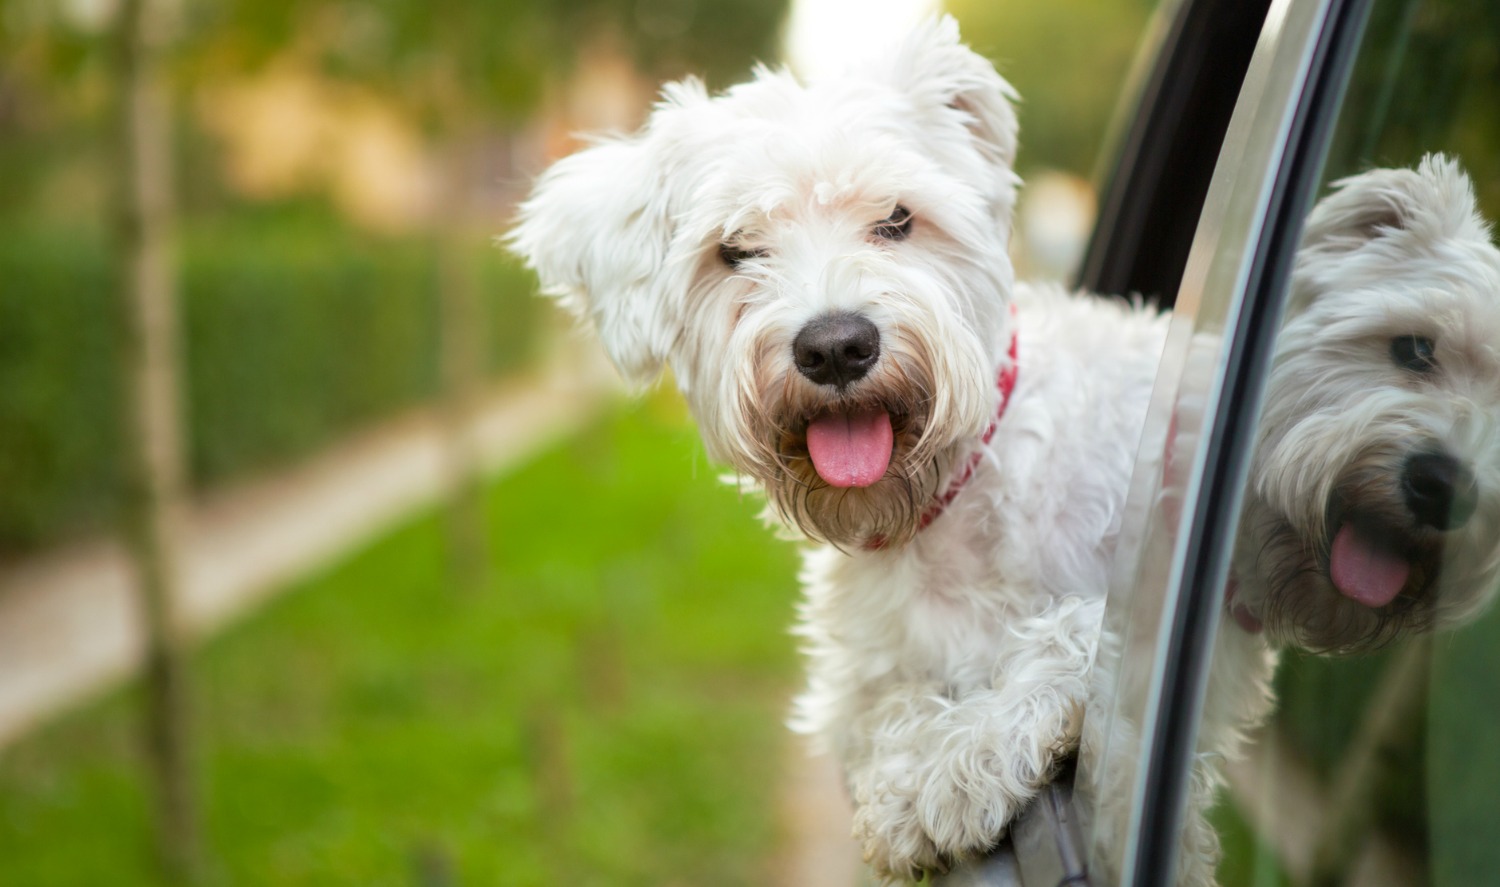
<point>1295,83</point>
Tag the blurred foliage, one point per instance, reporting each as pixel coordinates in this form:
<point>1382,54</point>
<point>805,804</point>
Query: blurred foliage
<point>503,53</point>
<point>608,712</point>
<point>295,331</point>
<point>1322,702</point>
<point>1246,861</point>
<point>498,56</point>
<point>1068,59</point>
<point>59,395</point>
<point>281,358</point>
<point>1427,79</point>
<point>298,326</point>
<point>1462,763</point>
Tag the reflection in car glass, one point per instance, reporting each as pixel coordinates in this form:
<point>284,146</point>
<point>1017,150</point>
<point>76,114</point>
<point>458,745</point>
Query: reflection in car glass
<point>1369,543</point>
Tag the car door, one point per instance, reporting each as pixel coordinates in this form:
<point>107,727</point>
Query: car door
<point>1152,218</point>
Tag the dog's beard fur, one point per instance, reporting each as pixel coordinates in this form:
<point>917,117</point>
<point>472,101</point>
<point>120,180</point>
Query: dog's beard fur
<point>888,509</point>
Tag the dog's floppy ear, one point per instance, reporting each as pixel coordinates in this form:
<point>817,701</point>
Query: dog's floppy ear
<point>949,81</point>
<point>1426,205</point>
<point>598,231</point>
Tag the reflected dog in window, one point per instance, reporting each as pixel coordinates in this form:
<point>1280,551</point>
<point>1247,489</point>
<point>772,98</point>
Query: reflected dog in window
<point>1373,508</point>
<point>824,266</point>
<point>1373,505</point>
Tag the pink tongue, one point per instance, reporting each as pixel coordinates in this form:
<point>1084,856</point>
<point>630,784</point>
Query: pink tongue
<point>850,450</point>
<point>1363,571</point>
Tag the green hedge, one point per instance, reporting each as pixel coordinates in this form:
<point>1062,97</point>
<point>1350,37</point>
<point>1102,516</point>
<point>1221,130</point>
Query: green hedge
<point>58,402</point>
<point>295,330</point>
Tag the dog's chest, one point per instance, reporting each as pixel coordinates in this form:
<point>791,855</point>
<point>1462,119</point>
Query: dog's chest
<point>959,606</point>
<point>936,612</point>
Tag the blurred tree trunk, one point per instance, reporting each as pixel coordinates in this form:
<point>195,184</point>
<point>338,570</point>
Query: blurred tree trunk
<point>152,445</point>
<point>462,346</point>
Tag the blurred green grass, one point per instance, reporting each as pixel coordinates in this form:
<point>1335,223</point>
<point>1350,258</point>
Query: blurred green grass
<point>608,710</point>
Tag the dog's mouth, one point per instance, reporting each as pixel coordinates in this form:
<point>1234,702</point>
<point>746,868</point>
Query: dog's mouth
<point>848,473</point>
<point>850,468</point>
<point>1376,562</point>
<point>850,449</point>
<point>1372,575</point>
<point>848,446</point>
<point>1368,564</point>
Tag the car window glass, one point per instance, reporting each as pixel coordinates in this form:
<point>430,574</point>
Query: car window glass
<point>1368,548</point>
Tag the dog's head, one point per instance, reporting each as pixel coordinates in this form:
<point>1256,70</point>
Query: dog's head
<point>823,265</point>
<point>1374,504</point>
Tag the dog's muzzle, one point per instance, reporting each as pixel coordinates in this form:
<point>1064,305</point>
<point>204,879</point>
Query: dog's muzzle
<point>849,448</point>
<point>1374,559</point>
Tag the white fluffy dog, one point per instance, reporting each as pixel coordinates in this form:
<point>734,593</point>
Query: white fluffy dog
<point>1373,508</point>
<point>824,266</point>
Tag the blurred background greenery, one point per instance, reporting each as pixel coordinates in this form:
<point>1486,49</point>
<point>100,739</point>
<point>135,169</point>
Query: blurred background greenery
<point>604,711</point>
<point>605,706</point>
<point>310,138</point>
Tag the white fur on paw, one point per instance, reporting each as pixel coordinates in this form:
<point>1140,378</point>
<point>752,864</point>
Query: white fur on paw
<point>892,840</point>
<point>907,829</point>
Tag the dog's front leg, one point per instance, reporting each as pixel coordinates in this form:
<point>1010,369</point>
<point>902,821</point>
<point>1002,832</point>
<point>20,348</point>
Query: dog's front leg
<point>937,772</point>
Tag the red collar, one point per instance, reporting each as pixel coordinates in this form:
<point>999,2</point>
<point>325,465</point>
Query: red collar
<point>1006,382</point>
<point>1241,613</point>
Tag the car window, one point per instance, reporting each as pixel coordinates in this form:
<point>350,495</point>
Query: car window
<point>1368,546</point>
<point>1343,730</point>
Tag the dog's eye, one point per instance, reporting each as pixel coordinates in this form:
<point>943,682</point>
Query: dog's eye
<point>896,226</point>
<point>1414,353</point>
<point>735,256</point>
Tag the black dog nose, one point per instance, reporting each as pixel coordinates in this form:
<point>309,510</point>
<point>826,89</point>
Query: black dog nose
<point>1439,490</point>
<point>836,349</point>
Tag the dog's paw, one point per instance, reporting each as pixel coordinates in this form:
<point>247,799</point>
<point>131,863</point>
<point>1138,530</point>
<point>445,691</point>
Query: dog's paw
<point>923,829</point>
<point>893,842</point>
<point>962,823</point>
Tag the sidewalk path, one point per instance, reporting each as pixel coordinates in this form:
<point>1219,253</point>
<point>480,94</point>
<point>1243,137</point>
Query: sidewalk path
<point>815,847</point>
<point>68,619</point>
